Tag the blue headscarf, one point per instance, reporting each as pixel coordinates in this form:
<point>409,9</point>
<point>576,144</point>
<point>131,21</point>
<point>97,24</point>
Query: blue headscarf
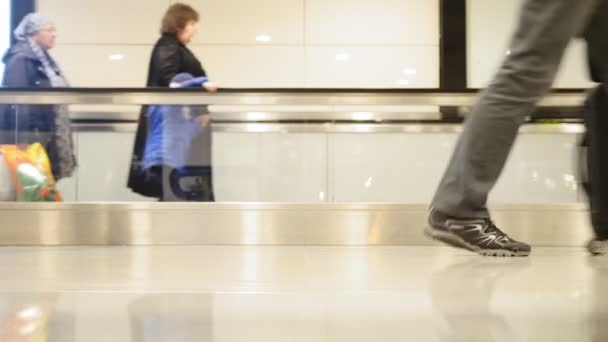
<point>31,24</point>
<point>64,160</point>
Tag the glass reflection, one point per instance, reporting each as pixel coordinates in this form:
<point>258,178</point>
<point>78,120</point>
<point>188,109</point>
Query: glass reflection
<point>598,316</point>
<point>172,317</point>
<point>32,318</point>
<point>461,295</point>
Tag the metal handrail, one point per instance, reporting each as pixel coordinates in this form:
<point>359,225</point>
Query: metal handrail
<point>272,97</point>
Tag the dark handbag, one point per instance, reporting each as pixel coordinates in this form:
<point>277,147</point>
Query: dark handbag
<point>202,188</point>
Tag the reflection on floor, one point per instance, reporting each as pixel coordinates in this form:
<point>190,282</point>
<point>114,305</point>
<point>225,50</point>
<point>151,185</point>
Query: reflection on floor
<point>311,294</point>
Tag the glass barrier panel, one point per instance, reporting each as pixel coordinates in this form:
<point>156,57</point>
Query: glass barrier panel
<point>278,154</point>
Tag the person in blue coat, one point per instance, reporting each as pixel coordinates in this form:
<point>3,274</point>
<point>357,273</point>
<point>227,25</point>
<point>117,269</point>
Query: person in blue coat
<point>30,66</point>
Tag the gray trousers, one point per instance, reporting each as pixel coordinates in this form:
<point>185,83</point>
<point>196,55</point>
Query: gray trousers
<point>545,29</point>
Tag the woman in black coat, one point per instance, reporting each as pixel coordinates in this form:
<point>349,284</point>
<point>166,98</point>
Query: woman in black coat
<point>170,57</point>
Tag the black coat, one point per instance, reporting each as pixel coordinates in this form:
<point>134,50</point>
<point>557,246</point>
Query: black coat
<point>169,58</point>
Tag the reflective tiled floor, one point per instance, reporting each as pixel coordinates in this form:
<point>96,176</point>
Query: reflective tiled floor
<point>308,294</point>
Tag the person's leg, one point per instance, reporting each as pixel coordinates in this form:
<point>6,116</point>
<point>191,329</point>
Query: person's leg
<point>597,44</point>
<point>545,29</point>
<point>169,194</point>
<point>597,129</point>
<point>201,156</point>
<point>596,122</point>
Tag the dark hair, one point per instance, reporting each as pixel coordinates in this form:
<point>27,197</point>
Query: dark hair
<point>177,17</point>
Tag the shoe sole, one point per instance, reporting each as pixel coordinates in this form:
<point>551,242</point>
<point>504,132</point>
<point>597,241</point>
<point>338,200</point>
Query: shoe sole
<point>456,241</point>
<point>597,248</point>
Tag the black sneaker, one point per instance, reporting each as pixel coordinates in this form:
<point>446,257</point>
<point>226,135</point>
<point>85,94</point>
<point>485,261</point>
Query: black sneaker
<point>598,246</point>
<point>477,235</point>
